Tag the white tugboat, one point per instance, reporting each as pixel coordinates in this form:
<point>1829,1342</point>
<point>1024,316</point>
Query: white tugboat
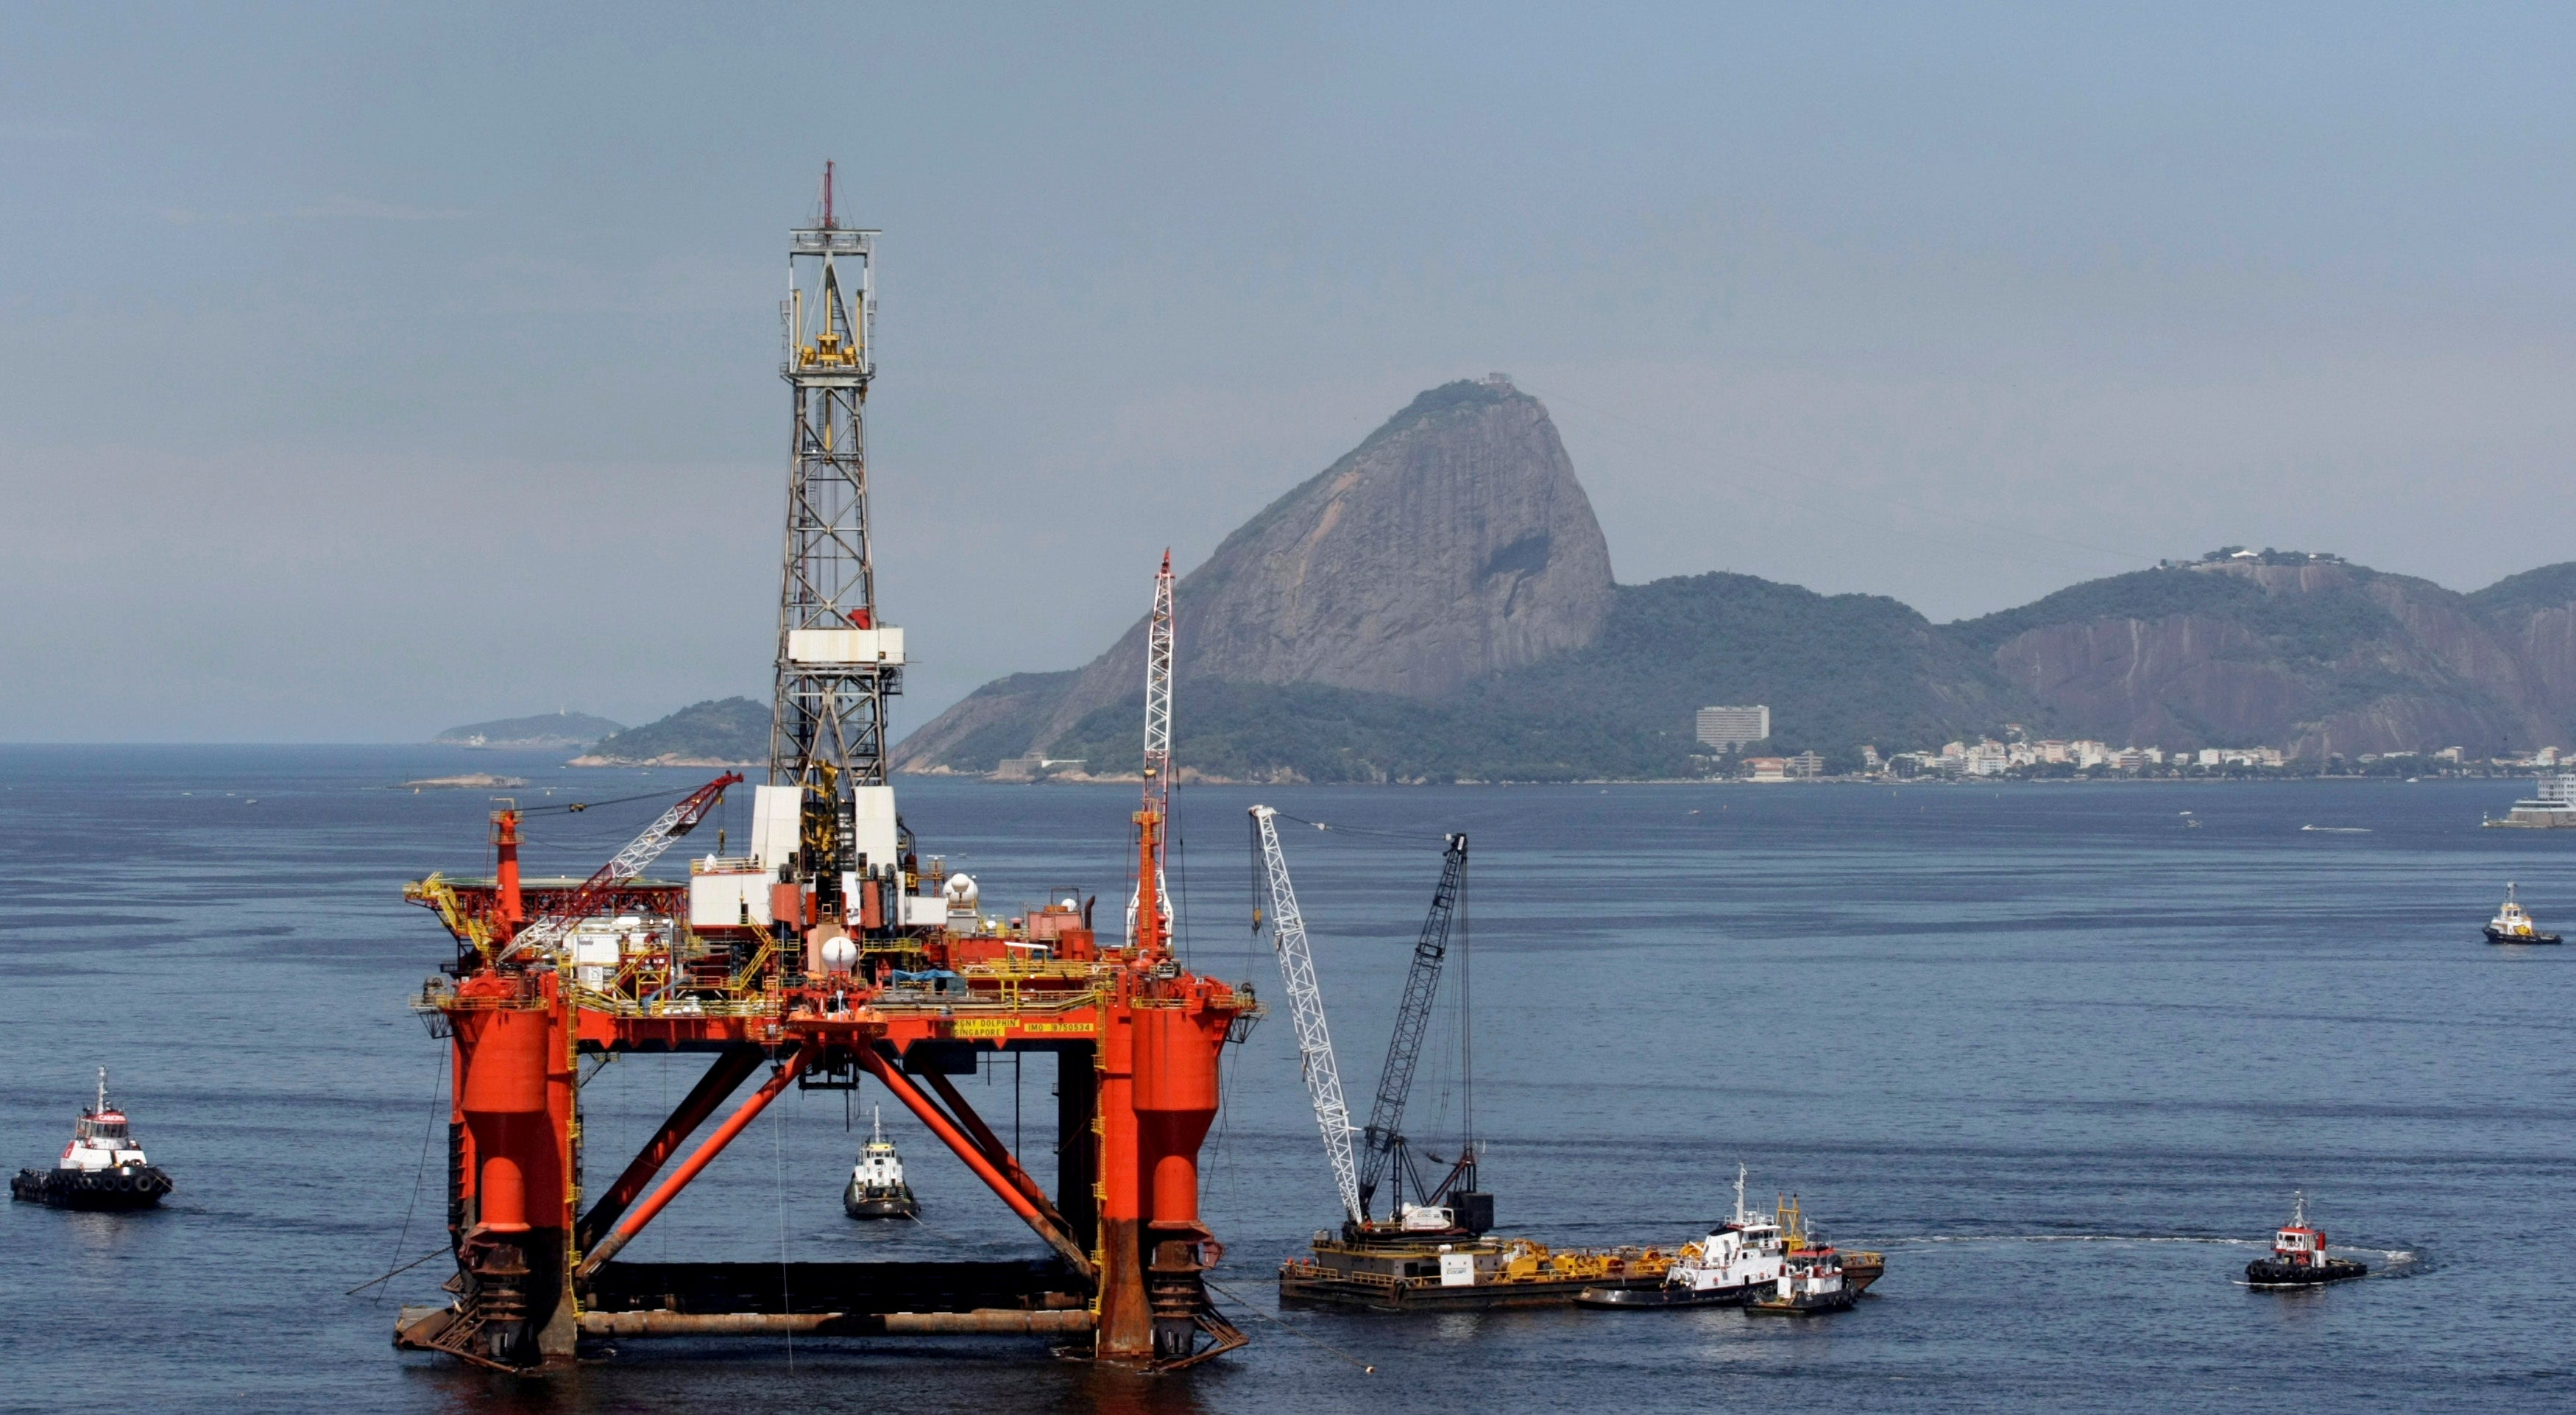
<point>102,1168</point>
<point>2299,1255</point>
<point>1740,1256</point>
<point>1811,1281</point>
<point>876,1187</point>
<point>2512,923</point>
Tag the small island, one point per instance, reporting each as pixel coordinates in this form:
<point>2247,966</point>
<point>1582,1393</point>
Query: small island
<point>716,733</point>
<point>542,732</point>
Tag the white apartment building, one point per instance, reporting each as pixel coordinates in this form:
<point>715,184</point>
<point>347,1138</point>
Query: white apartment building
<point>1727,728</point>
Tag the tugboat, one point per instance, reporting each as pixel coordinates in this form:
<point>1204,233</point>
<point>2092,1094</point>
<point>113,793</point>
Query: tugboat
<point>1860,1269</point>
<point>876,1187</point>
<point>1811,1281</point>
<point>2512,925</point>
<point>102,1168</point>
<point>2299,1256</point>
<point>1739,1256</point>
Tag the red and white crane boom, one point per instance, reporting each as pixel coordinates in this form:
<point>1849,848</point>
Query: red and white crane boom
<point>546,930</point>
<point>1158,741</point>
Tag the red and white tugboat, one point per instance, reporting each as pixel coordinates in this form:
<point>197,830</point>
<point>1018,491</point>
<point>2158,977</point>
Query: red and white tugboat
<point>1811,1281</point>
<point>102,1168</point>
<point>2299,1255</point>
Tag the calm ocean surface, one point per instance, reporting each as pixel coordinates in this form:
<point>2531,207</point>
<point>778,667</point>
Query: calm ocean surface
<point>2061,1058</point>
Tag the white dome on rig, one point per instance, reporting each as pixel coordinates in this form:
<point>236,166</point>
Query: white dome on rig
<point>962,892</point>
<point>840,955</point>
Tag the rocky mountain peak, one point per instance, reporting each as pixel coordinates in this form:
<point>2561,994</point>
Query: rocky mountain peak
<point>1454,542</point>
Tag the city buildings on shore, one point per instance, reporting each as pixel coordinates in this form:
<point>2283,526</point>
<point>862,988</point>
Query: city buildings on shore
<point>1725,731</point>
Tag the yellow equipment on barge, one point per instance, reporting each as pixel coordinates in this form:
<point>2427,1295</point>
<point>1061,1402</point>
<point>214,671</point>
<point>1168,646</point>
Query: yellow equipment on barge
<point>1402,1274</point>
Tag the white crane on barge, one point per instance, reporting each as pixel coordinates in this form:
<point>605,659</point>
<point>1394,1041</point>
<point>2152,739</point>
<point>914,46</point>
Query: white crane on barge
<point>1306,1009</point>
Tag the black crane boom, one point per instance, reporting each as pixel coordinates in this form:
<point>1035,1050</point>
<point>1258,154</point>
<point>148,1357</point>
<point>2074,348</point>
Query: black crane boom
<point>1384,1134</point>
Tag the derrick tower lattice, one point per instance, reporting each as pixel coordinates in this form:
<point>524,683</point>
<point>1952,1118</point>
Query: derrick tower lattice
<point>837,660</point>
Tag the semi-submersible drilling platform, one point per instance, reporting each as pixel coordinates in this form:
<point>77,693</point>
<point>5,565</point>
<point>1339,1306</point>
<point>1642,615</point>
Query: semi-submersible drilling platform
<point>823,955</point>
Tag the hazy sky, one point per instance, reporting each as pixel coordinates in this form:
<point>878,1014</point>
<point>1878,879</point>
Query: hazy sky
<point>363,372</point>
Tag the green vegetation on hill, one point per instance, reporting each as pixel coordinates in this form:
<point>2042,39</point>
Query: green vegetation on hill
<point>1837,671</point>
<point>2517,596</point>
<point>719,730</point>
<point>2340,655</point>
<point>1305,731</point>
<point>1017,708</point>
<point>2313,627</point>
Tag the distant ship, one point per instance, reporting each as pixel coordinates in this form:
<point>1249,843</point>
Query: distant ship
<point>2554,806</point>
<point>102,1168</point>
<point>2299,1255</point>
<point>2512,923</point>
<point>877,1189</point>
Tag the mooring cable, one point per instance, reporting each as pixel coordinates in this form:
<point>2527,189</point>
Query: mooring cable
<point>438,1082</point>
<point>407,1267</point>
<point>576,807</point>
<point>786,1298</point>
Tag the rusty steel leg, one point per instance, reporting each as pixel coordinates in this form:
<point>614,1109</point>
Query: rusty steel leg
<point>891,1074</point>
<point>705,1155</point>
<point>994,1150</point>
<point>732,1067</point>
<point>1126,1330</point>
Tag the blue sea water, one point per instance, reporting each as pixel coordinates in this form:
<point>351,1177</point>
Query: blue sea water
<point>2061,1057</point>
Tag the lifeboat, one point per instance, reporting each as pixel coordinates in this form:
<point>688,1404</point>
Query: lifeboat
<point>102,1168</point>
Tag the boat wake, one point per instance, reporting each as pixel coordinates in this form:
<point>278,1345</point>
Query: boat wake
<point>2212,1239</point>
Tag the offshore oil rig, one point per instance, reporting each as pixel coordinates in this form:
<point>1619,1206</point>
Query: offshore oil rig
<point>823,955</point>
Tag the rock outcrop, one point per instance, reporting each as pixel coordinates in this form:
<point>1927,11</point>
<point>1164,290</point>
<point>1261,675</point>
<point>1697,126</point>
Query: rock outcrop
<point>1453,544</point>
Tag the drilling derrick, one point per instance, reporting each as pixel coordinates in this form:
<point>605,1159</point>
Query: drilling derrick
<point>827,957</point>
<point>837,661</point>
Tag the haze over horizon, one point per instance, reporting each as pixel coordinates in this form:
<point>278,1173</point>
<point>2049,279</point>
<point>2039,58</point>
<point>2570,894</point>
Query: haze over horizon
<point>369,373</point>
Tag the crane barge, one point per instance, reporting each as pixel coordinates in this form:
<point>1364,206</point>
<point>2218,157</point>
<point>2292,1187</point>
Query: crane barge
<point>824,954</point>
<point>1437,1252</point>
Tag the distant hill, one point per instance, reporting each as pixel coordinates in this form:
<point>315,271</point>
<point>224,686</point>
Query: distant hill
<point>1437,605</point>
<point>717,732</point>
<point>546,730</point>
<point>2308,653</point>
<point>1837,671</point>
<point>1454,542</point>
